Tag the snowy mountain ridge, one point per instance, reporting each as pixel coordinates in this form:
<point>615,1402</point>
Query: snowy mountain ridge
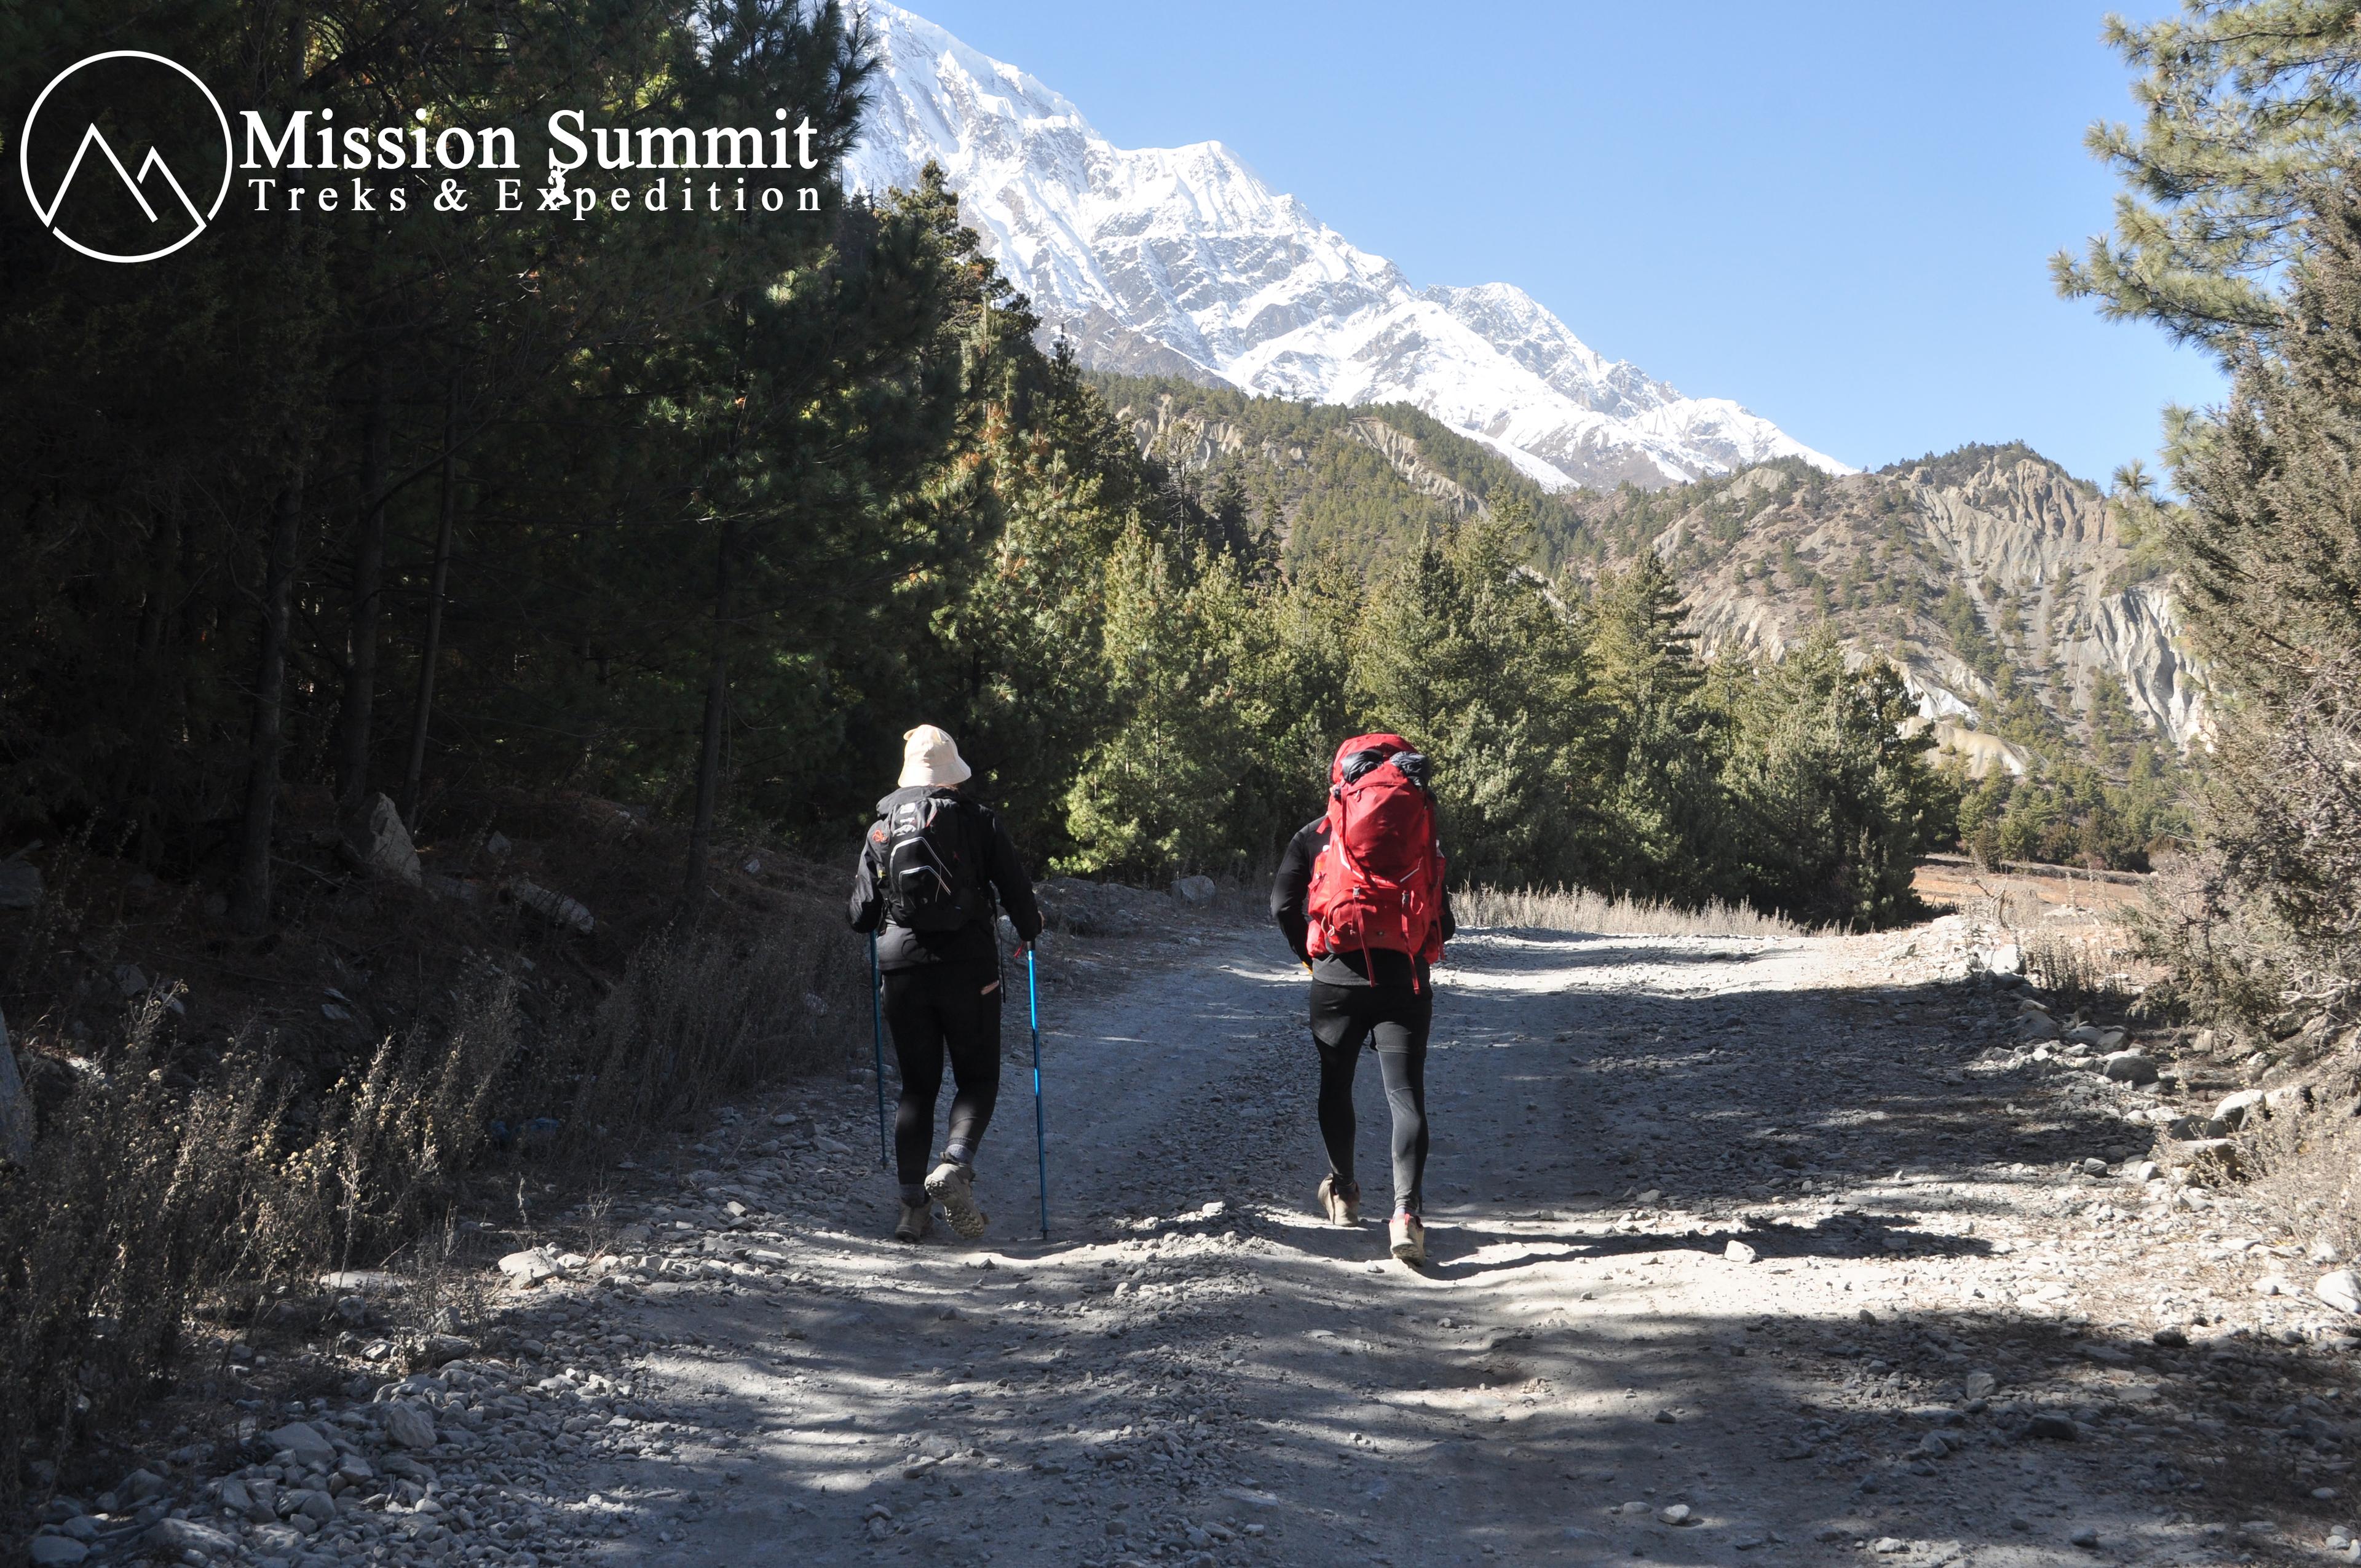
<point>1182,261</point>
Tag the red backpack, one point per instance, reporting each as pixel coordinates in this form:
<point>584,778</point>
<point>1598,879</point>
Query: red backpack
<point>1377,883</point>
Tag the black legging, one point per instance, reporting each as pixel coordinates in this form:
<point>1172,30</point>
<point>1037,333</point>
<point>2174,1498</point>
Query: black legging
<point>936,1010</point>
<point>1395,1020</point>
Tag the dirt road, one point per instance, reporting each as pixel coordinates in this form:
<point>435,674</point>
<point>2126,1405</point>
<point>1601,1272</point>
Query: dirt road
<point>1745,1251</point>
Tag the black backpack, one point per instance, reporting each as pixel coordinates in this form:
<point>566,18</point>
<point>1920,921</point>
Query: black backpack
<point>931,880</point>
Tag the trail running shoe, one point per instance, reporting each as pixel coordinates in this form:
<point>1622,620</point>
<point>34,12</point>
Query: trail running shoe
<point>953,1186</point>
<point>1409,1235</point>
<point>1341,1204</point>
<point>917,1219</point>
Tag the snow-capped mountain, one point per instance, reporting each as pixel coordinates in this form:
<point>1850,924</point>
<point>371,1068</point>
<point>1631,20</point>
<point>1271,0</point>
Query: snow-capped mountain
<point>1180,262</point>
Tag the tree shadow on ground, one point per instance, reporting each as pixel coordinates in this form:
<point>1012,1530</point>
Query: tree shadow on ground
<point>1751,1095</point>
<point>1457,1249</point>
<point>1429,1432</point>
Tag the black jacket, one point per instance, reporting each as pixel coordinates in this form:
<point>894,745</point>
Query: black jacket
<point>900,948</point>
<point>1290,895</point>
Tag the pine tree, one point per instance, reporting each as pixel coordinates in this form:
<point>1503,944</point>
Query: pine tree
<point>1833,804</point>
<point>2250,106</point>
<point>2268,549</point>
<point>1462,650</point>
<point>1660,814</point>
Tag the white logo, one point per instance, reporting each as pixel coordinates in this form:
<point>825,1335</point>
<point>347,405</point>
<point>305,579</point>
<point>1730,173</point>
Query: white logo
<point>172,197</point>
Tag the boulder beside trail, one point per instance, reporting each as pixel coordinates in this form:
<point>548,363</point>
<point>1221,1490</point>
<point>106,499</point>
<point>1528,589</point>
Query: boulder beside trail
<point>1194,890</point>
<point>530,1267</point>
<point>553,906</point>
<point>304,1442</point>
<point>2128,1066</point>
<point>2216,1157</point>
<point>384,844</point>
<point>409,1426</point>
<point>172,1537</point>
<point>2231,1113</point>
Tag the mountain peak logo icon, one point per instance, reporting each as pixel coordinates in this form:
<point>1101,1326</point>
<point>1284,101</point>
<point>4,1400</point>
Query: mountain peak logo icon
<point>148,101</point>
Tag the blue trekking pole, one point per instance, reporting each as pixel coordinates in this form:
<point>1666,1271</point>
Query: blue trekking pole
<point>877,1032</point>
<point>1040,1126</point>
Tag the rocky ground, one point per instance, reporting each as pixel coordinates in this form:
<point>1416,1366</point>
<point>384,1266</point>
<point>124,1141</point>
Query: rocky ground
<point>1745,1251</point>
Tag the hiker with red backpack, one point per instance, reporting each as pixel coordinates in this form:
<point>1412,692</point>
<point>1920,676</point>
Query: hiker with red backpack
<point>1359,896</point>
<point>928,869</point>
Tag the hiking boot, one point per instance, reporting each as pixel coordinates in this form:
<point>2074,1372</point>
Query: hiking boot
<point>1341,1204</point>
<point>953,1186</point>
<point>917,1219</point>
<point>1408,1233</point>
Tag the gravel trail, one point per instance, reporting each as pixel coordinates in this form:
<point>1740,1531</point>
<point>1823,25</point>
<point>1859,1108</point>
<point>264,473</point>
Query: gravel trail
<point>1744,1251</point>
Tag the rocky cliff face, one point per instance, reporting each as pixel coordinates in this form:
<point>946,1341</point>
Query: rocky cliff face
<point>1180,261</point>
<point>2052,595</point>
<point>2134,633</point>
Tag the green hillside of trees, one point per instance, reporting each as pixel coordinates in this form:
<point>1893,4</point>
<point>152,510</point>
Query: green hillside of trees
<point>1308,473</point>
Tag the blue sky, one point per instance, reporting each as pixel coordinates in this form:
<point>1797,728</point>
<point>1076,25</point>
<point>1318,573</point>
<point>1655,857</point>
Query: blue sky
<point>1837,214</point>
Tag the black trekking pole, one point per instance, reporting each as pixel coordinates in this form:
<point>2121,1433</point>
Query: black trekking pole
<point>877,1040</point>
<point>1040,1126</point>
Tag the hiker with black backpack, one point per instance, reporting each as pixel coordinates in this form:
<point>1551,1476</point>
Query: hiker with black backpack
<point>928,871</point>
<point>1359,896</point>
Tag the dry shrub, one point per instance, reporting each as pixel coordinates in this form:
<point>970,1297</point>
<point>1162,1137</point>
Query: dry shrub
<point>2226,961</point>
<point>702,1015</point>
<point>445,1286</point>
<point>137,1199</point>
<point>394,1143</point>
<point>142,1201</point>
<point>2089,968</point>
<point>2306,1163</point>
<point>1579,909</point>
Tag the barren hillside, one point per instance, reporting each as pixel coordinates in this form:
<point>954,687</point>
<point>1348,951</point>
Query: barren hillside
<point>1982,571</point>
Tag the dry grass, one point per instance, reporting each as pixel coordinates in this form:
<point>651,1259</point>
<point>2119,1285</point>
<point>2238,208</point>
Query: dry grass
<point>149,1203</point>
<point>135,1201</point>
<point>1579,909</point>
<point>445,1288</point>
<point>2091,967</point>
<point>703,1015</point>
<point>395,1143</point>
<point>2306,1172</point>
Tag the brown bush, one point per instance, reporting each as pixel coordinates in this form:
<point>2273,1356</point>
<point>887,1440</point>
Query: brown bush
<point>394,1142</point>
<point>702,1015</point>
<point>2226,961</point>
<point>143,1202</point>
<point>135,1200</point>
<point>2090,968</point>
<point>2306,1161</point>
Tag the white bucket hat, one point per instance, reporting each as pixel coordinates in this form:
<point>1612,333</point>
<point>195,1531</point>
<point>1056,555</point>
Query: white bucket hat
<point>929,756</point>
